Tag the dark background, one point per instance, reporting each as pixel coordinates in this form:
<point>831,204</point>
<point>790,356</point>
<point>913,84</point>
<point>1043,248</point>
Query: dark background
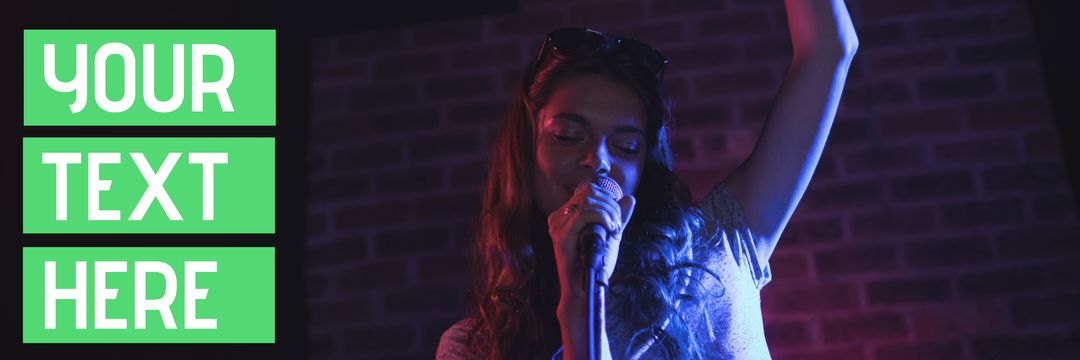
<point>941,223</point>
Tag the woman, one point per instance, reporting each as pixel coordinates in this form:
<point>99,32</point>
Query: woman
<point>680,281</point>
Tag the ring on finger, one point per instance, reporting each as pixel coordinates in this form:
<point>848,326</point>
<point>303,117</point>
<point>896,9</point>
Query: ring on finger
<point>570,210</point>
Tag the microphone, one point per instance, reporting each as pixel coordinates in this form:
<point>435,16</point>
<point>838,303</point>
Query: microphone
<point>591,238</point>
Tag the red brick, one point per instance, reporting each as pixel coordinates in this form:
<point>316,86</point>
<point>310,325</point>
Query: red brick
<point>908,291</point>
<point>342,72</point>
<point>816,231</point>
<point>831,353</point>
<point>921,122</point>
<point>887,223</point>
<point>1027,176</point>
<point>1009,114</point>
<point>768,48</point>
<point>412,241</point>
<point>604,15</point>
<point>379,338</point>
<point>843,195</point>
<point>953,27</point>
<point>932,186</point>
<point>462,206</point>
<point>790,334</point>
<point>480,112</point>
<point>341,250</point>
<point>984,212</point>
<point>977,151</point>
<point>1059,206</point>
<point>1021,347</point>
<point>683,149</point>
<point>374,124</point>
<point>997,282</point>
<point>454,32</point>
<point>702,114</point>
<point>998,52</point>
<point>742,81</point>
<point>754,111</point>
<point>891,35</point>
<point>371,215</point>
<point>864,327</point>
<point>444,145</point>
<point>534,25</point>
<point>849,130</point>
<point>1063,272</point>
<point>316,223</point>
<point>958,320</point>
<point>701,56</point>
<point>364,98</point>
<point>682,8</point>
<point>913,61</point>
<point>410,65</point>
<point>372,276</point>
<point>877,10</point>
<point>425,301</point>
<point>921,351</point>
<point>339,312</point>
<point>414,179</point>
<point>361,44</point>
<point>809,299</point>
<point>1039,242</point>
<point>948,252</point>
<point>451,267</point>
<point>1042,144</point>
<point>954,87</point>
<point>732,25</point>
<point>715,144</point>
<point>339,188</point>
<point>487,55</point>
<point>471,175</point>
<point>1048,309</point>
<point>789,266</point>
<point>662,36</point>
<point>456,86</point>
<point>364,156</point>
<point>859,259</point>
<point>1025,79</point>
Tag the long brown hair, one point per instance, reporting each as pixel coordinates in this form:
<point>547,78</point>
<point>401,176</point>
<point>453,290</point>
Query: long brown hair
<point>517,288</point>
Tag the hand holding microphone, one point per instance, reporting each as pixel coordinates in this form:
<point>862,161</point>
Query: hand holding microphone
<point>587,230</point>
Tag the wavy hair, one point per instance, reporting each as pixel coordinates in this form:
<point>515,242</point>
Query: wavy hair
<point>517,288</point>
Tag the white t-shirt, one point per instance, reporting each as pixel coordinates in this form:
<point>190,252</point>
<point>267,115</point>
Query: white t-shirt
<point>733,327</point>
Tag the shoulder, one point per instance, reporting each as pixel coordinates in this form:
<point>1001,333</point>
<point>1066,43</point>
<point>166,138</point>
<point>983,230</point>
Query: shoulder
<point>731,236</point>
<point>453,344</point>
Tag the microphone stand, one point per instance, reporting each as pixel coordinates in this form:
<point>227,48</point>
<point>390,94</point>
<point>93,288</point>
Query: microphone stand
<point>596,308</point>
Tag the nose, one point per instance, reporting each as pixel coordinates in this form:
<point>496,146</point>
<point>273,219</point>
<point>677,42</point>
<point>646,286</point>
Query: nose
<point>597,159</point>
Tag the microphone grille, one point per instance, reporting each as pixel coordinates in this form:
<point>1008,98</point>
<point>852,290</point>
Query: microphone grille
<point>608,184</point>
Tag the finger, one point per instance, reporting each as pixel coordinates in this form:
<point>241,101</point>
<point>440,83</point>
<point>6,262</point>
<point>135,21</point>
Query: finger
<point>611,208</point>
<point>607,218</point>
<point>585,215</point>
<point>627,205</point>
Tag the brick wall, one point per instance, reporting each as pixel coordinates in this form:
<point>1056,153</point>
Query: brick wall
<point>940,223</point>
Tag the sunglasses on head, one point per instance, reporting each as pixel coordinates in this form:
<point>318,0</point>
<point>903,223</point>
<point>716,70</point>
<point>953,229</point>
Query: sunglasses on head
<point>573,42</point>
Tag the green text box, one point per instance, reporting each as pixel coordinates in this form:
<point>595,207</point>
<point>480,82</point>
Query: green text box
<point>239,295</point>
<point>251,92</point>
<point>243,188</point>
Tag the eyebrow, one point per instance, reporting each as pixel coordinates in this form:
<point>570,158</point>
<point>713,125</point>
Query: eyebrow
<point>581,120</point>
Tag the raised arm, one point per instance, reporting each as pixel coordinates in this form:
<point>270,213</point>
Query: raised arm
<point>770,183</point>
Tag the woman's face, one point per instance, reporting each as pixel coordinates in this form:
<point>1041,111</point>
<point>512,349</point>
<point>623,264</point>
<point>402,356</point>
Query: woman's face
<point>590,124</point>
